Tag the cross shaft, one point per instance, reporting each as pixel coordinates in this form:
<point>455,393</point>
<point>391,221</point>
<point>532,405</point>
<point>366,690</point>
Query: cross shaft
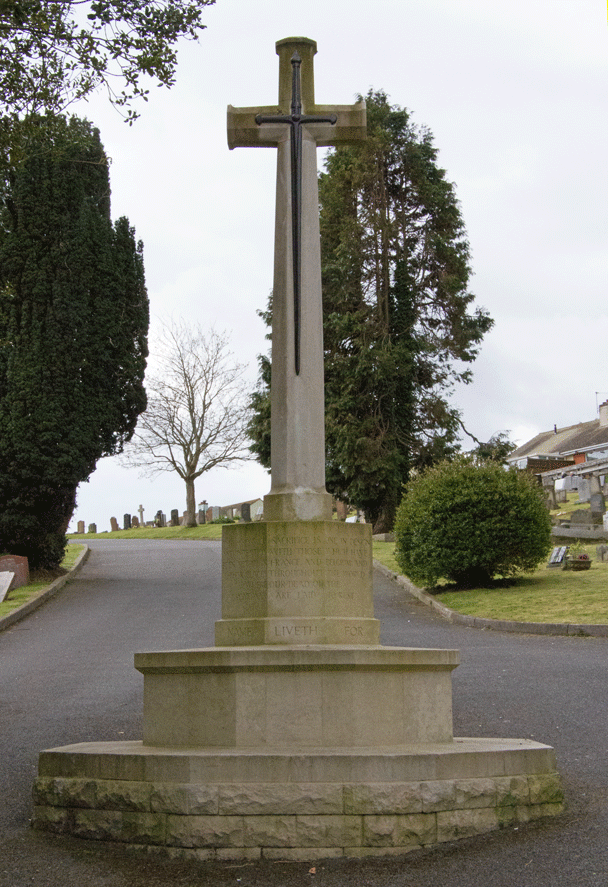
<point>296,126</point>
<point>296,120</point>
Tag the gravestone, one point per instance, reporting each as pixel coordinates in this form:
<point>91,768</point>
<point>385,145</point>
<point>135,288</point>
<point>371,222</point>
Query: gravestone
<point>17,564</point>
<point>215,512</point>
<point>601,553</point>
<point>126,522</point>
<point>297,735</point>
<point>549,490</point>
<point>584,489</point>
<point>135,522</point>
<point>140,511</point>
<point>581,517</point>
<point>341,510</point>
<point>114,525</point>
<point>92,528</point>
<point>174,517</point>
<point>597,505</point>
<point>6,579</point>
<point>556,557</point>
<point>160,519</point>
<point>80,526</point>
<point>201,517</point>
<point>246,512</point>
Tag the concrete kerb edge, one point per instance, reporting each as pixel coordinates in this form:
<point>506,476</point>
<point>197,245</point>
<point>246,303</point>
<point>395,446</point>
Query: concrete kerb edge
<point>548,628</point>
<point>42,596</point>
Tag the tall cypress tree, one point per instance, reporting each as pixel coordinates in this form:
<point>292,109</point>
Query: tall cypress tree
<point>398,329</point>
<point>73,332</point>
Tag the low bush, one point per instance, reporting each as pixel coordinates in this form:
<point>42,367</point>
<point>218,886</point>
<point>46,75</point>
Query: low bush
<point>468,522</point>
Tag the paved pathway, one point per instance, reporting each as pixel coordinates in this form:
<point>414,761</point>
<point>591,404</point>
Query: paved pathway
<point>66,675</point>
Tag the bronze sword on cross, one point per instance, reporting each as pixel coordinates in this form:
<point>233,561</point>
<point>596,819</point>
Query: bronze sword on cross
<point>296,120</point>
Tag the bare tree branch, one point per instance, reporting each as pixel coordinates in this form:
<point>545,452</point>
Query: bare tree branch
<point>197,411</point>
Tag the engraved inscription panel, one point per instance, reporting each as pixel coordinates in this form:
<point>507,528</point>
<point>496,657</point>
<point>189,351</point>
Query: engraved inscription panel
<point>244,573</point>
<point>319,569</point>
<point>297,569</point>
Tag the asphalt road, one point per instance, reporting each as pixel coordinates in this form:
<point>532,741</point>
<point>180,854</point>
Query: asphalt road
<point>66,675</point>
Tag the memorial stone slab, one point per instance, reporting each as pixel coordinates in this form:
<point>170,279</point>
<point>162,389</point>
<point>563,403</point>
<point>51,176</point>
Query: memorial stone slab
<point>584,489</point>
<point>601,552</point>
<point>114,525</point>
<point>6,578</point>
<point>174,517</point>
<point>582,516</point>
<point>126,522</point>
<point>597,504</point>
<point>17,564</point>
<point>557,556</point>
<point>80,526</point>
<point>92,528</point>
<point>135,522</point>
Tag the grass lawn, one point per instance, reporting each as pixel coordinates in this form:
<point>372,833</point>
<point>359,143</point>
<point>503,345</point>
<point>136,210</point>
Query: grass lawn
<point>24,594</point>
<point>204,531</point>
<point>548,595</point>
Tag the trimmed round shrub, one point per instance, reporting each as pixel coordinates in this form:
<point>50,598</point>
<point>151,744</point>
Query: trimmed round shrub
<point>469,522</point>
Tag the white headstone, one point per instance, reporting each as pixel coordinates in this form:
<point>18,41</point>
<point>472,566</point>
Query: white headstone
<point>5,583</point>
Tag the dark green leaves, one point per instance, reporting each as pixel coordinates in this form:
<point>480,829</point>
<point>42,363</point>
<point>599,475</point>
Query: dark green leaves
<point>52,54</point>
<point>469,522</point>
<point>73,331</point>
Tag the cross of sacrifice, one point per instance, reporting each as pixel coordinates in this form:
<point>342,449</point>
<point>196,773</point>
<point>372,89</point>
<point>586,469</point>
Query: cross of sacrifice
<point>296,127</point>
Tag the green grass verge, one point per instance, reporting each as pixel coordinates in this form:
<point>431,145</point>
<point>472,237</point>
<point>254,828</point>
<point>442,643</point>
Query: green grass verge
<point>385,553</point>
<point>205,531</point>
<point>547,595</point>
<point>23,595</point>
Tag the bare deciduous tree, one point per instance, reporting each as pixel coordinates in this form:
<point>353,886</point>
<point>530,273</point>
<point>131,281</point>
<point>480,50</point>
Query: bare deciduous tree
<point>196,418</point>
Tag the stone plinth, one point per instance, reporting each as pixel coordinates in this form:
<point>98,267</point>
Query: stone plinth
<point>297,582</point>
<point>293,804</point>
<point>310,697</point>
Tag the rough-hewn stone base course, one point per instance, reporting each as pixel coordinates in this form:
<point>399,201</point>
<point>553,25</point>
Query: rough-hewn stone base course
<point>293,820</point>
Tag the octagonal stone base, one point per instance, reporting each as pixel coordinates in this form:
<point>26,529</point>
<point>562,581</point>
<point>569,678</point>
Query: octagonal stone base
<point>293,803</point>
<point>315,696</point>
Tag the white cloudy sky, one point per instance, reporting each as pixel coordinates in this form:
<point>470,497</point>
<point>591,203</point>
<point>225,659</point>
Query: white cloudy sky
<point>516,94</point>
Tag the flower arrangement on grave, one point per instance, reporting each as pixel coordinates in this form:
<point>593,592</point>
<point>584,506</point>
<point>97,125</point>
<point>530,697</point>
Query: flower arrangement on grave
<point>577,558</point>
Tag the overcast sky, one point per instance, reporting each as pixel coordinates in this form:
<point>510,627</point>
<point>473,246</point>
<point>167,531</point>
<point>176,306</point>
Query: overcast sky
<point>515,94</point>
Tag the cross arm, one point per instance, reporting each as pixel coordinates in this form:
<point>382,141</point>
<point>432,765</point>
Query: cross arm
<point>350,127</point>
<point>244,132</point>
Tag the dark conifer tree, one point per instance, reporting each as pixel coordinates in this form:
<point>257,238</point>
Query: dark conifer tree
<point>73,332</point>
<point>398,330</point>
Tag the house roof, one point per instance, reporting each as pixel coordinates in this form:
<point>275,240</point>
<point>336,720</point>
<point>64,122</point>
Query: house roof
<point>564,441</point>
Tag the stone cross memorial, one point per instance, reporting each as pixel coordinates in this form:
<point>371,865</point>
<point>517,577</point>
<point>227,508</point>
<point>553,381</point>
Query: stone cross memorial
<point>298,735</point>
<point>297,404</point>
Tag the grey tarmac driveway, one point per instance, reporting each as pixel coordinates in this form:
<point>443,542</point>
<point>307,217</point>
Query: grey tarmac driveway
<point>66,676</point>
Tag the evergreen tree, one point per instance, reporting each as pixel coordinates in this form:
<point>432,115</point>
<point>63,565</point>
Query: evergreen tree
<point>398,330</point>
<point>73,332</point>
